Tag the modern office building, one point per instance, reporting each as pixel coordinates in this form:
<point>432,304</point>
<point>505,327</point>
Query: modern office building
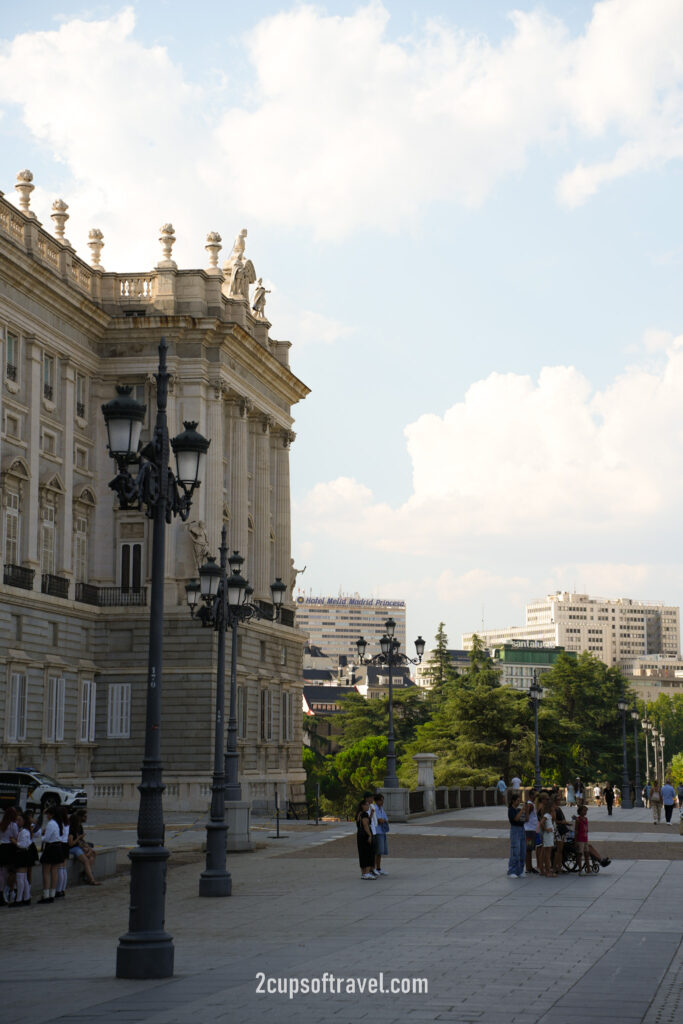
<point>520,662</point>
<point>75,570</point>
<point>335,623</point>
<point>612,629</point>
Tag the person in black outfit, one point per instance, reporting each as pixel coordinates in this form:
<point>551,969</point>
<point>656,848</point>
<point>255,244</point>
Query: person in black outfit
<point>609,797</point>
<point>366,850</point>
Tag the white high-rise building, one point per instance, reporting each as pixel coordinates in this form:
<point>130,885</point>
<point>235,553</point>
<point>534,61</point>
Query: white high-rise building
<point>613,629</point>
<point>335,623</point>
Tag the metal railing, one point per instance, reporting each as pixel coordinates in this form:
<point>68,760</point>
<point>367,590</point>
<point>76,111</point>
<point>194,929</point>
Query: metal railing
<point>57,586</point>
<point>18,576</point>
<point>110,597</point>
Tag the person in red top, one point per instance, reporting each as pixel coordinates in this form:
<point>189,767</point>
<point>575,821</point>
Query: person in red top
<point>584,849</point>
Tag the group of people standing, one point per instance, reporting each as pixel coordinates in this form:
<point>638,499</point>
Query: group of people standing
<point>538,825</point>
<point>372,826</point>
<point>60,836</point>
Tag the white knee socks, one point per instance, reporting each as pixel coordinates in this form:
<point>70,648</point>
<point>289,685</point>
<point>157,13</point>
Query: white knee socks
<point>61,880</point>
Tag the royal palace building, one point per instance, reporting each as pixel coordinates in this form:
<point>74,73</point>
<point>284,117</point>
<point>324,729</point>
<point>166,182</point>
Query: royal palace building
<point>74,583</point>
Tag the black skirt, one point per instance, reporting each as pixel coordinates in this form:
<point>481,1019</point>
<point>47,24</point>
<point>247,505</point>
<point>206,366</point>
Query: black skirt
<point>7,855</point>
<point>23,858</point>
<point>52,854</point>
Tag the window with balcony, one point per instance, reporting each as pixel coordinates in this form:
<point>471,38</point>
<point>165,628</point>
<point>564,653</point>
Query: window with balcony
<point>48,377</point>
<point>12,356</point>
<point>81,395</point>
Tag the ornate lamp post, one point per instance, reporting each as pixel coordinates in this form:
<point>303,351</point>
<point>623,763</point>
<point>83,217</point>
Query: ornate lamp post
<point>655,753</point>
<point>146,951</point>
<point>639,795</point>
<point>647,725</point>
<point>390,656</point>
<point>661,742</point>
<point>535,695</point>
<point>625,783</point>
<point>225,606</point>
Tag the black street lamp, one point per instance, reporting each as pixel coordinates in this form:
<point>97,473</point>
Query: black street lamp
<point>639,795</point>
<point>646,725</point>
<point>661,741</point>
<point>535,695</point>
<point>655,754</point>
<point>146,951</point>
<point>225,606</point>
<point>390,656</point>
<point>625,783</point>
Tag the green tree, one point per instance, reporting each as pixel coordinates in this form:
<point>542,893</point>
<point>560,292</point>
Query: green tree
<point>480,731</point>
<point>439,663</point>
<point>676,769</point>
<point>349,773</point>
<point>579,722</point>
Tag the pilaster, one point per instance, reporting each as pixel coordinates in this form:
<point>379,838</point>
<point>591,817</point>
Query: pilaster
<point>261,580</point>
<point>35,372</point>
<point>69,391</point>
<point>239,484</point>
<point>214,463</point>
<point>282,511</point>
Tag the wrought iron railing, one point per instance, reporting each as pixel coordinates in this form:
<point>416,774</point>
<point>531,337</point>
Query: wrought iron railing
<point>110,597</point>
<point>18,576</point>
<point>57,586</point>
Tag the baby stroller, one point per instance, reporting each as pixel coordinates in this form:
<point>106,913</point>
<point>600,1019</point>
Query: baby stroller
<point>570,861</point>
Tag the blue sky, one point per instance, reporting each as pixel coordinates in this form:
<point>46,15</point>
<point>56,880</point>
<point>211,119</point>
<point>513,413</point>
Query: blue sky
<point>471,223</point>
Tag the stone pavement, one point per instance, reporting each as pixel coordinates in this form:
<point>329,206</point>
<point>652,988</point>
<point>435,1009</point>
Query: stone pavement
<point>493,950</point>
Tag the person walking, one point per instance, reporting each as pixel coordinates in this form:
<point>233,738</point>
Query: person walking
<point>668,799</point>
<point>609,798</point>
<point>570,794</point>
<point>646,794</point>
<point>501,790</point>
<point>516,818</point>
<point>580,793</point>
<point>547,839</point>
<point>597,795</point>
<point>656,803</point>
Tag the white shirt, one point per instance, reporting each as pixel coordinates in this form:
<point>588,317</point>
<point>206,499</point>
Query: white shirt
<point>52,832</point>
<point>372,811</point>
<point>516,783</point>
<point>24,839</point>
<point>596,792</point>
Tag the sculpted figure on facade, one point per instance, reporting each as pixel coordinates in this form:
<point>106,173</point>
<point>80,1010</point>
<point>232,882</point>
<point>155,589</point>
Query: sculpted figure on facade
<point>293,573</point>
<point>200,541</point>
<point>259,303</point>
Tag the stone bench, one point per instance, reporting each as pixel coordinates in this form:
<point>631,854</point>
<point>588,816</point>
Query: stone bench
<point>105,865</point>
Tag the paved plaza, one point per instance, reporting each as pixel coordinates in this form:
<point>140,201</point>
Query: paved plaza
<point>493,950</point>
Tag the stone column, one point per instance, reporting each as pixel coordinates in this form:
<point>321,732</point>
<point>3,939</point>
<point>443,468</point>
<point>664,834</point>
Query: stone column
<point>31,515</point>
<point>239,482</point>
<point>213,484</point>
<point>282,511</point>
<point>260,576</point>
<point>66,524</point>
<point>425,778</point>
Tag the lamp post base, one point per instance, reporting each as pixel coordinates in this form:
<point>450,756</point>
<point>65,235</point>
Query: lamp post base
<point>146,950</point>
<point>215,883</point>
<point>139,959</point>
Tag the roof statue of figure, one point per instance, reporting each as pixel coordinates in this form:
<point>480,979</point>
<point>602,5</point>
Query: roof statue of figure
<point>259,299</point>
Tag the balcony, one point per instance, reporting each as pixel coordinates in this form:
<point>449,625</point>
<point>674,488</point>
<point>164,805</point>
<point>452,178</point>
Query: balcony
<point>18,576</point>
<point>110,597</point>
<point>56,586</point>
<point>287,617</point>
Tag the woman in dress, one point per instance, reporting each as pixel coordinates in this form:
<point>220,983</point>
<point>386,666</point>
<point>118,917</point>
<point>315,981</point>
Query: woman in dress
<point>366,853</point>
<point>570,795</point>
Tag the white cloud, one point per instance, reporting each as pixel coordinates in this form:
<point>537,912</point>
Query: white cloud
<point>534,460</point>
<point>343,129</point>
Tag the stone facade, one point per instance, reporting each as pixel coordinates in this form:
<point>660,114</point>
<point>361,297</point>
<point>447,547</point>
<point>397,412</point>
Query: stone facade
<point>74,588</point>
